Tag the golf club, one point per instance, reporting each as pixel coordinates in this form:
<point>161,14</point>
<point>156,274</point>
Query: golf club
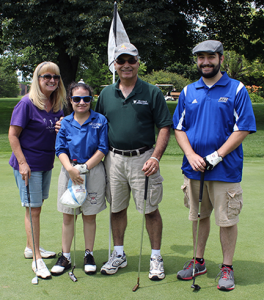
<point>139,261</point>
<point>35,279</point>
<point>72,276</point>
<point>110,233</point>
<point>196,287</point>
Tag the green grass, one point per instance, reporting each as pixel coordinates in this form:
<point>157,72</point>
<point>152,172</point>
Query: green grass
<point>16,274</point>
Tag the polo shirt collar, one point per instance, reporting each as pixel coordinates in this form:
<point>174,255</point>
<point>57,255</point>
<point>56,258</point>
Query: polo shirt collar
<point>92,116</point>
<point>223,81</point>
<point>137,88</point>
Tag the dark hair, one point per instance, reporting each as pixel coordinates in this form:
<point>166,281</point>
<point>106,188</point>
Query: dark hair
<point>73,86</point>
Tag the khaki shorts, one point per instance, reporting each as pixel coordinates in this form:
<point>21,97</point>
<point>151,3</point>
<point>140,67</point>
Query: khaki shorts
<point>125,176</point>
<point>95,184</point>
<point>224,197</point>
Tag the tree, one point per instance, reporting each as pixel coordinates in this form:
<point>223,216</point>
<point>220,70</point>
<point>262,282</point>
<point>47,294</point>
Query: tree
<point>67,31</point>
<point>8,82</point>
<point>164,31</point>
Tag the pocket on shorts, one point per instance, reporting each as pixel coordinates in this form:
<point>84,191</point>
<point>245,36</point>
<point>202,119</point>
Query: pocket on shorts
<point>184,188</point>
<point>235,203</point>
<point>155,189</point>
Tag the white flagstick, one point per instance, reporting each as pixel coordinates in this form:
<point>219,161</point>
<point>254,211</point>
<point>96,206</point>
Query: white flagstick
<point>117,36</point>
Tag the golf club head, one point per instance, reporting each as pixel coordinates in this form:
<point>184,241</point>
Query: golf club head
<point>35,280</point>
<point>72,276</point>
<point>135,287</point>
<point>196,287</point>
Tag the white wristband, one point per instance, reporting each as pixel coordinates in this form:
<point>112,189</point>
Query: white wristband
<point>152,157</point>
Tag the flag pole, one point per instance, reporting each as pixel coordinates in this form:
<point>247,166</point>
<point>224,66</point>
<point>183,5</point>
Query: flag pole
<point>114,30</point>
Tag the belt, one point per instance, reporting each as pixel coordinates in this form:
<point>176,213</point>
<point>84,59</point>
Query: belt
<point>130,152</point>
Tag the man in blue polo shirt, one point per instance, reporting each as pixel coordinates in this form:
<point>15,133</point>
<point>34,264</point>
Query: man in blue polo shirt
<point>212,118</point>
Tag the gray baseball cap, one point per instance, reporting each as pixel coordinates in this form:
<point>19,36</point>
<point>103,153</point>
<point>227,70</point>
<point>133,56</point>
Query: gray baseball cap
<point>210,46</point>
<point>126,48</point>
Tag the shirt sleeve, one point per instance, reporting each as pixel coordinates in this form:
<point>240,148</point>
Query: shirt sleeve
<point>21,115</point>
<point>161,112</point>
<point>243,112</point>
<point>179,114</point>
<point>103,139</point>
<point>61,145</point>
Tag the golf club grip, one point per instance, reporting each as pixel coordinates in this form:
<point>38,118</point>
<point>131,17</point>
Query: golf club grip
<point>146,188</point>
<point>28,193</point>
<point>201,187</point>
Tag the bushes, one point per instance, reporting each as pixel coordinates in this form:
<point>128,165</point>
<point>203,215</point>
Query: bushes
<point>256,98</point>
<point>163,77</point>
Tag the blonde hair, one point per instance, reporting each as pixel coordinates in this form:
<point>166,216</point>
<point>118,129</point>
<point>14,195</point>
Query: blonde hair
<point>58,97</point>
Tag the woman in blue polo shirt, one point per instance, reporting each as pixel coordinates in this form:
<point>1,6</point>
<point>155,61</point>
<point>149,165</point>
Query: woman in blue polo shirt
<point>82,138</point>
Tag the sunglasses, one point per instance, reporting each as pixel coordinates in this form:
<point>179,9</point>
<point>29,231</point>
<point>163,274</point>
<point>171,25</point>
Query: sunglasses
<point>77,99</point>
<point>48,77</point>
<point>122,61</point>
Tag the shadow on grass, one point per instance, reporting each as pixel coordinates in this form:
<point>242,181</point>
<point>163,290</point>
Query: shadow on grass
<point>246,272</point>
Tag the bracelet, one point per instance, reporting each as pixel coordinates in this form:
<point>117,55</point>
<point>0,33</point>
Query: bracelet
<point>152,157</point>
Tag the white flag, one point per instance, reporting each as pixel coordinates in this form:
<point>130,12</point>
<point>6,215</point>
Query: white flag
<point>115,40</point>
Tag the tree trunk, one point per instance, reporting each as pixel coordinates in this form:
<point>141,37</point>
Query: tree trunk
<point>68,67</point>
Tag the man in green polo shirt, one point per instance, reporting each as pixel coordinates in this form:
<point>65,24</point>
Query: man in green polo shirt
<point>133,108</point>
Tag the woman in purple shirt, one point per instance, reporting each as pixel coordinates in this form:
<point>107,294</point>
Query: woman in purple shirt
<point>32,138</point>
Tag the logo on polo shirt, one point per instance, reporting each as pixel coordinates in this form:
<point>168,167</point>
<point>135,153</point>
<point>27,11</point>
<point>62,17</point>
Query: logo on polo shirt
<point>194,101</point>
<point>141,102</point>
<point>223,99</point>
<point>95,125</point>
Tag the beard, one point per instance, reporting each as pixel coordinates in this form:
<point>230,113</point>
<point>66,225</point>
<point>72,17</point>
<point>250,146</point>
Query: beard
<point>210,74</point>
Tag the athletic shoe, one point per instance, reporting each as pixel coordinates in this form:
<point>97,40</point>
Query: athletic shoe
<point>114,263</point>
<point>42,270</point>
<point>61,265</point>
<point>89,263</point>
<point>156,270</point>
<point>226,281</point>
<point>187,272</point>
<point>44,253</point>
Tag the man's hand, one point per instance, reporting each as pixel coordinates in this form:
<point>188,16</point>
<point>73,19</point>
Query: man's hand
<point>151,166</point>
<point>212,160</point>
<point>82,168</point>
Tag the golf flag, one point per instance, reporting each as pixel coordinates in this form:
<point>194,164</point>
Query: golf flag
<point>117,36</point>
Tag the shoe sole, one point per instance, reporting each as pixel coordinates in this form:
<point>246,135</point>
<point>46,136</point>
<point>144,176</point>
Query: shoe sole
<point>111,272</point>
<point>30,256</point>
<point>190,278</point>
<point>47,277</point>
<point>90,272</point>
<point>60,273</point>
<point>223,288</point>
<point>157,277</point>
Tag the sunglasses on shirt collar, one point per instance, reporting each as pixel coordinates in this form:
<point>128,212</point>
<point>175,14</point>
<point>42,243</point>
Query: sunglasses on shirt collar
<point>48,77</point>
<point>122,61</point>
<point>77,99</point>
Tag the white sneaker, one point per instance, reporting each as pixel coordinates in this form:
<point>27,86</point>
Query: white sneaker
<point>156,271</point>
<point>42,270</point>
<point>44,253</point>
<point>114,263</point>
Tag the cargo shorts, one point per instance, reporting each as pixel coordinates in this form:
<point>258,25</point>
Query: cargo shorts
<point>224,197</point>
<point>95,185</point>
<point>125,176</point>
